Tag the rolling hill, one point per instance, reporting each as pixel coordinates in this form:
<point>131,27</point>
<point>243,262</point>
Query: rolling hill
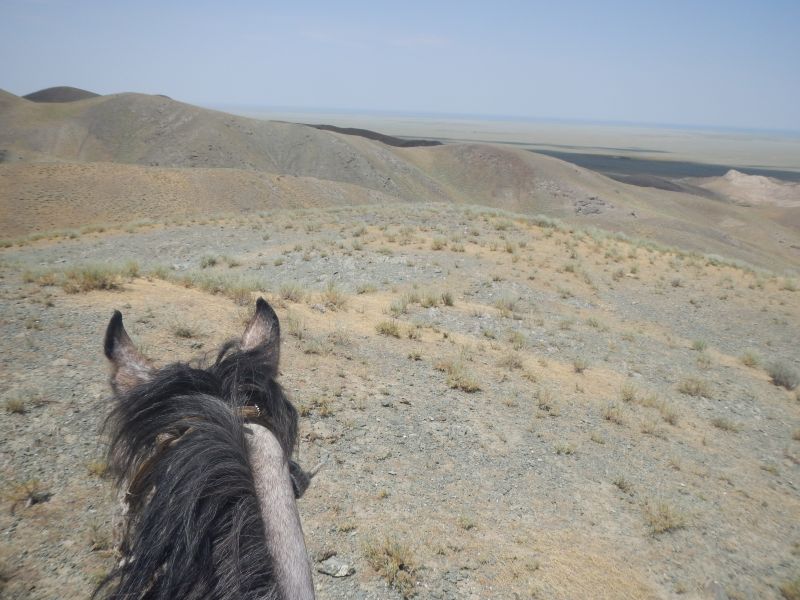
<point>108,158</point>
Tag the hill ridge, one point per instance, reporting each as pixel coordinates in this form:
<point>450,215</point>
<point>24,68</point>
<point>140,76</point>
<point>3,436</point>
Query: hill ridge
<point>154,131</point>
<point>62,93</point>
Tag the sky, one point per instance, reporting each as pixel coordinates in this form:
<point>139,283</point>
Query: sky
<point>714,63</point>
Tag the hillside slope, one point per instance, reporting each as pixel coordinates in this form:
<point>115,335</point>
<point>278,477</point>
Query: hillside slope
<point>157,132</point>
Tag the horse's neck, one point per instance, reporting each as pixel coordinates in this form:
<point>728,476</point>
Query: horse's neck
<point>279,513</point>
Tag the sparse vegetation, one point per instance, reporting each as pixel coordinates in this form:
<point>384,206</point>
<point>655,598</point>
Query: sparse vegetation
<point>517,340</point>
<point>624,485</point>
<point>184,331</point>
<point>662,517</point>
<point>466,523</point>
<point>613,412</point>
<point>457,376</point>
<point>333,298</point>
<point>97,468</point>
<point>99,538</point>
<point>292,292</point>
<point>750,359</point>
<point>395,563</point>
<point>91,277</point>
<point>208,261</point>
<point>366,288</point>
<point>388,328</point>
<point>566,449</point>
<point>16,405</point>
<point>628,393</point>
<point>724,424</point>
<point>512,360</point>
<point>783,375</point>
<point>580,364</point>
<point>506,304</point>
<point>27,494</point>
<point>692,386</point>
<point>350,374</point>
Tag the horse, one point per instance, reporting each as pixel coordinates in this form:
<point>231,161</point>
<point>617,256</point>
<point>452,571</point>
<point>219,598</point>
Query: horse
<point>202,457</point>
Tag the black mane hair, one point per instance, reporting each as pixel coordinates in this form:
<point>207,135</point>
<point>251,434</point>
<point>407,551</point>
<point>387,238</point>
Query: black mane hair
<point>195,529</point>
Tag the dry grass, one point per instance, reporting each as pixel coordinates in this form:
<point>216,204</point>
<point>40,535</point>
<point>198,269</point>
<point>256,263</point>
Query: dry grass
<point>546,402</point>
<point>784,375</point>
<point>27,494</point>
<point>92,277</point>
<point>506,304</point>
<point>294,325</point>
<point>624,485</point>
<point>628,393</point>
<point>565,449</point>
<point>613,412</point>
<point>184,331</point>
<point>333,298</point>
<point>208,261</point>
<point>692,386</point>
<point>388,328</point>
<point>16,405</point>
<point>292,292</point>
<point>725,425</point>
<point>517,340</point>
<point>458,377</point>
<point>466,523</point>
<point>512,360</point>
<point>750,359</point>
<point>395,563</point>
<point>99,538</point>
<point>97,468</point>
<point>662,517</point>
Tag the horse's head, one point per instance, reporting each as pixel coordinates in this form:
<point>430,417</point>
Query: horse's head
<point>243,375</point>
<point>204,453</point>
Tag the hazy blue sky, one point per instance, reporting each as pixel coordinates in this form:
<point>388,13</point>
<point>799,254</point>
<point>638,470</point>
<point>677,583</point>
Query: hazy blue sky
<point>724,63</point>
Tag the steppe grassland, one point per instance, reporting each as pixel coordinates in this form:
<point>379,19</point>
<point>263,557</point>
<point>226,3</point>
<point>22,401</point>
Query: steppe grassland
<point>596,383</point>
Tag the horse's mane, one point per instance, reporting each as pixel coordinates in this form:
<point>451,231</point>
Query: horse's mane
<point>195,528</point>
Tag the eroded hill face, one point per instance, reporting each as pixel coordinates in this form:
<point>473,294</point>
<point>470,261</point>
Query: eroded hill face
<point>177,159</point>
<point>508,407</point>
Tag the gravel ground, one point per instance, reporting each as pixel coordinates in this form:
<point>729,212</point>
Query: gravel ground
<point>551,481</point>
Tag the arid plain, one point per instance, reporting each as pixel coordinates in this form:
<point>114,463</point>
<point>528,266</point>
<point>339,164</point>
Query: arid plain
<point>527,379</point>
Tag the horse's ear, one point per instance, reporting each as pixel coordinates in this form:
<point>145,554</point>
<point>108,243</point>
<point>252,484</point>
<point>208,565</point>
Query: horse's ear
<point>128,367</point>
<point>263,333</point>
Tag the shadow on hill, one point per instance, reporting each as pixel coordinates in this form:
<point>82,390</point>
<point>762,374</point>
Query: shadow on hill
<point>374,135</point>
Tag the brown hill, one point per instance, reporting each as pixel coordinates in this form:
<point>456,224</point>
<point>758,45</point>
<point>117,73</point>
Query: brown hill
<point>61,93</point>
<point>69,196</point>
<point>236,153</point>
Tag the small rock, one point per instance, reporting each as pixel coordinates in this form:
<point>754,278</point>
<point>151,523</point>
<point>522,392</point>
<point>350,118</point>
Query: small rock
<point>335,568</point>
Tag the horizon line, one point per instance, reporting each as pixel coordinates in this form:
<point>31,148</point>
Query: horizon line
<point>498,117</point>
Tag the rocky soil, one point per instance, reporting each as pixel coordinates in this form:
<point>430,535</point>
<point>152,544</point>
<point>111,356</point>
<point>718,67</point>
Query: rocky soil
<point>509,408</point>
